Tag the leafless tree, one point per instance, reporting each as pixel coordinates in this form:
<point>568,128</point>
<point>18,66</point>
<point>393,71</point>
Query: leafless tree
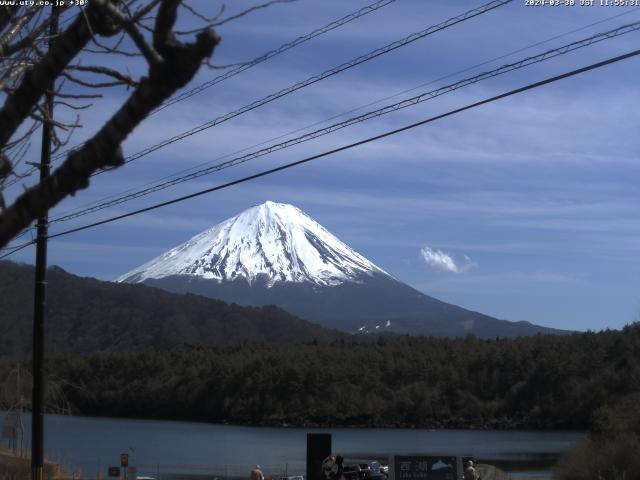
<point>124,33</point>
<point>15,399</point>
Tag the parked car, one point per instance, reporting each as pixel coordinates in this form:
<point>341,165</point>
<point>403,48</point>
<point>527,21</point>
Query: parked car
<point>370,471</point>
<point>352,472</point>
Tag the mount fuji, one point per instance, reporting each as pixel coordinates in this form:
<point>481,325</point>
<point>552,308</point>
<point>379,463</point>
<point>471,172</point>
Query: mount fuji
<point>274,253</point>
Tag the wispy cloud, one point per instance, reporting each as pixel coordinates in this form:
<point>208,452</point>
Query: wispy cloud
<point>443,261</point>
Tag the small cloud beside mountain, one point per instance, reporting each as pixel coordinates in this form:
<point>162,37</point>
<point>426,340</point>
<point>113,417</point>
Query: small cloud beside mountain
<point>443,261</point>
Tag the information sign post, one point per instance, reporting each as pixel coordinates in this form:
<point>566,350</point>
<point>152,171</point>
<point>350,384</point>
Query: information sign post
<point>425,467</point>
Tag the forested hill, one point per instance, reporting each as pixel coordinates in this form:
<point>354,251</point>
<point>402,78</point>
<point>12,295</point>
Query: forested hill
<point>534,382</point>
<point>86,315</point>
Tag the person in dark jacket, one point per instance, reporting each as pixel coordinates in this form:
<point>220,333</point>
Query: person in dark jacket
<point>332,467</point>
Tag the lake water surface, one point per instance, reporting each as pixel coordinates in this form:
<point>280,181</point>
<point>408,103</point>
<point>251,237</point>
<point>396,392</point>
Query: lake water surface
<point>158,448</point>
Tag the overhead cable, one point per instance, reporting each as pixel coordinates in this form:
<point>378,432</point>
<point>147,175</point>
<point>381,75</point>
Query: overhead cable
<point>423,97</point>
<point>271,171</point>
<point>263,58</point>
<point>316,78</point>
<point>272,53</point>
<point>353,110</point>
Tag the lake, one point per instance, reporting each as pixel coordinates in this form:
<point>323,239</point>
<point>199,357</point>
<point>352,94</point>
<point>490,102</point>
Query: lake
<point>159,448</point>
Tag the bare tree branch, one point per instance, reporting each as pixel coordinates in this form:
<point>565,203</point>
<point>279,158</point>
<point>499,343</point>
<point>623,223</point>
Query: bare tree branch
<point>249,10</point>
<point>139,14</point>
<point>7,50</point>
<point>110,72</point>
<point>6,13</point>
<point>34,126</point>
<point>208,20</point>
<point>5,167</point>
<point>109,51</point>
<point>27,72</point>
<point>86,83</point>
<point>71,106</point>
<point>36,81</point>
<point>78,96</point>
<point>180,63</point>
<point>10,34</point>
<point>162,34</point>
<point>43,117</point>
<point>147,50</point>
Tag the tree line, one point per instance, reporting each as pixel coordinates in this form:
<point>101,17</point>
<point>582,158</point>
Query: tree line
<point>534,382</point>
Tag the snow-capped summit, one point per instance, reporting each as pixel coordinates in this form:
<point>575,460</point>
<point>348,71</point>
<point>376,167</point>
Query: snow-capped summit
<point>276,242</point>
<point>275,254</point>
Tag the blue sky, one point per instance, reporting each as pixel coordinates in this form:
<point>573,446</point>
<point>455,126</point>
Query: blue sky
<point>524,209</point>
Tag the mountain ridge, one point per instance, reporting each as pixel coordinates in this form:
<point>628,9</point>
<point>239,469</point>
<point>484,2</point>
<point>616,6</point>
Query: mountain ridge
<point>274,253</point>
<point>85,315</point>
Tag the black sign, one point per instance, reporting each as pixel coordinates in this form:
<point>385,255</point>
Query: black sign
<point>427,467</point>
<point>114,471</point>
<point>124,459</point>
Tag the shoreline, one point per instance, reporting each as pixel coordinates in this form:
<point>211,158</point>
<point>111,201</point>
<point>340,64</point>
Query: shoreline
<point>513,426</point>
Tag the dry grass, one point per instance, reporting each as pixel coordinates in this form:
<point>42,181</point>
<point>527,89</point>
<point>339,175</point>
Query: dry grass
<point>605,459</point>
<point>17,468</point>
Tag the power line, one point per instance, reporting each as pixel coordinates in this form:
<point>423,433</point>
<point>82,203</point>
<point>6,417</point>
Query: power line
<point>473,67</point>
<point>264,173</point>
<point>272,53</point>
<point>314,79</point>
<point>263,58</point>
<point>360,118</point>
<point>17,248</point>
<point>347,65</point>
<point>322,76</point>
<point>309,81</point>
<point>21,234</point>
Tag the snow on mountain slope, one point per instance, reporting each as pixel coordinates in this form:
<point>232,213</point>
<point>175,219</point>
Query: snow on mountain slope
<point>274,241</point>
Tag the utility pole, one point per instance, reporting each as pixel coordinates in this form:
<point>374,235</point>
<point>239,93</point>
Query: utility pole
<point>37,404</point>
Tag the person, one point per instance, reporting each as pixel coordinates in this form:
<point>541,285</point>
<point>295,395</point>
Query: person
<point>470,472</point>
<point>332,467</point>
<point>256,473</point>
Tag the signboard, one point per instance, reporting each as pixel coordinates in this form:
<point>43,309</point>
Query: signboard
<point>425,467</point>
<point>114,471</point>
<point>124,459</point>
<point>132,473</point>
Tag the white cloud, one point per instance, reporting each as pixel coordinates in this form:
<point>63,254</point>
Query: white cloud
<point>443,261</point>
